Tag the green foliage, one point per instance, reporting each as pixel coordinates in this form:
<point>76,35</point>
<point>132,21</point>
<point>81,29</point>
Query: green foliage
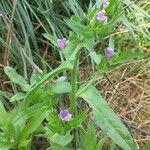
<point>147,146</point>
<point>120,58</point>
<point>16,129</point>
<point>57,126</point>
<point>30,19</point>
<point>61,140</point>
<point>90,139</point>
<point>17,79</point>
<point>58,148</point>
<point>61,87</point>
<point>17,97</point>
<point>38,99</point>
<point>2,113</point>
<point>107,120</point>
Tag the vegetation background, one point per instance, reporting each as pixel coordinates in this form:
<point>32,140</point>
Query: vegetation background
<point>22,46</point>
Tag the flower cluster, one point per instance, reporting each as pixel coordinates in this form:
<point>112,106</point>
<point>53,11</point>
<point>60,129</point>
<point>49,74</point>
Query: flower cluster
<point>61,43</point>
<point>101,16</point>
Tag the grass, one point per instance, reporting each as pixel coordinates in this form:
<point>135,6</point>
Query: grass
<point>31,19</point>
<point>28,21</point>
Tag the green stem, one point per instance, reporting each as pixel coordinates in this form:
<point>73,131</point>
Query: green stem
<point>74,78</point>
<point>48,76</point>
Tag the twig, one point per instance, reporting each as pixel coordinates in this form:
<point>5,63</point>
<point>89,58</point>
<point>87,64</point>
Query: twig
<point>1,65</point>
<point>116,87</point>
<point>45,53</point>
<point>24,53</point>
<point>9,35</point>
<point>31,62</point>
<point>129,126</point>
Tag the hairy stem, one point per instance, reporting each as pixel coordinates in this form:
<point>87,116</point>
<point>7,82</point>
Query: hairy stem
<point>9,36</point>
<point>74,78</point>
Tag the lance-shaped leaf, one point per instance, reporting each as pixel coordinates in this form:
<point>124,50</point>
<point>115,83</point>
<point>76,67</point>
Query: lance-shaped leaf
<point>6,145</point>
<point>16,78</point>
<point>61,87</point>
<point>107,120</point>
<point>2,113</point>
<point>17,97</point>
<point>61,140</point>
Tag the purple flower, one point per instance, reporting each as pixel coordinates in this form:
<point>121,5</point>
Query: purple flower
<point>105,3</point>
<point>61,43</point>
<point>65,115</point>
<point>101,16</point>
<point>109,52</point>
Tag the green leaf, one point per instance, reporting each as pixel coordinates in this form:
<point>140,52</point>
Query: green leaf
<point>125,56</point>
<point>89,141</point>
<point>71,46</point>
<point>58,148</point>
<point>89,44</point>
<point>24,143</point>
<point>61,87</point>
<point>17,97</point>
<point>2,113</point>
<point>78,120</point>
<point>35,78</point>
<point>46,77</point>
<point>9,129</point>
<point>97,58</point>
<point>16,78</point>
<point>20,116</point>
<point>147,146</point>
<point>61,78</point>
<point>56,125</point>
<point>6,145</point>
<point>107,120</point>
<point>61,140</point>
<point>80,29</point>
<point>111,42</point>
<point>33,124</point>
<point>50,37</point>
<point>5,94</point>
<point>100,144</point>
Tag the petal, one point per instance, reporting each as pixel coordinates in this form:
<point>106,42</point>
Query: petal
<point>101,16</point>
<point>61,42</point>
<point>65,115</point>
<point>105,3</point>
<point>109,52</point>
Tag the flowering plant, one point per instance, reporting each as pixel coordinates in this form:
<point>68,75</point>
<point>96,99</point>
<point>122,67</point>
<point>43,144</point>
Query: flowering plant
<point>37,112</point>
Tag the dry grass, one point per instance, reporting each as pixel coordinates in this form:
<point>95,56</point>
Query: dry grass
<point>131,97</point>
